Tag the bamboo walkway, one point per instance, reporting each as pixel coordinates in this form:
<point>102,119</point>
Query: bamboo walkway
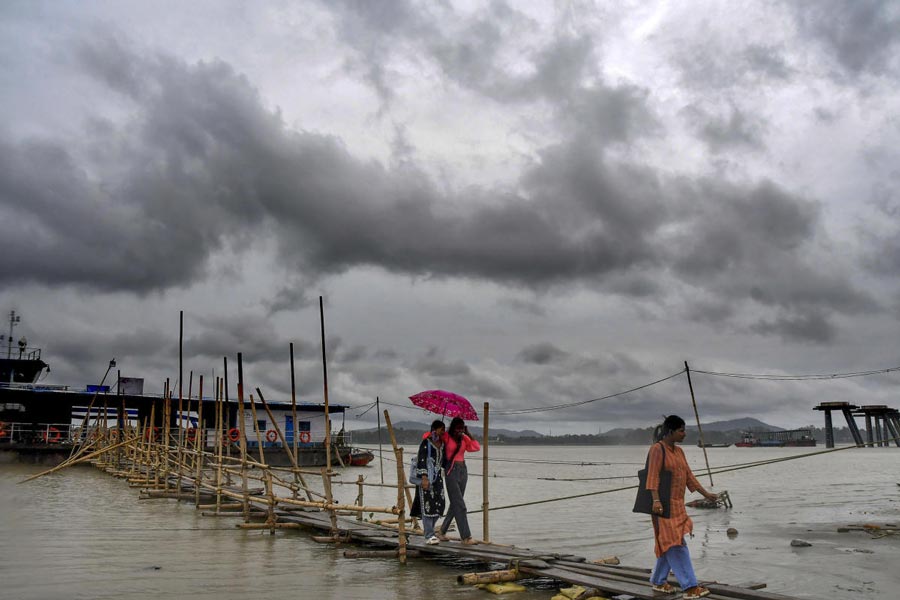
<point>612,580</point>
<point>192,465</point>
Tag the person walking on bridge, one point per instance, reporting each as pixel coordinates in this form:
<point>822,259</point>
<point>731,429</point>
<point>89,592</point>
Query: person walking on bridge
<point>457,441</point>
<point>669,533</point>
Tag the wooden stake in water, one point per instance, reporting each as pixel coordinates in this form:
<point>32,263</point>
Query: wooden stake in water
<point>485,502</point>
<point>380,457</point>
<point>401,496</point>
<point>325,384</point>
<point>687,370</point>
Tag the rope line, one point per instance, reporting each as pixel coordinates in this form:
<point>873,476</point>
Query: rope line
<point>536,409</point>
<point>633,487</point>
<point>773,377</point>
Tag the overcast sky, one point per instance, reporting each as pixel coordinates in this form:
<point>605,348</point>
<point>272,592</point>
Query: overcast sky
<point>528,203</point>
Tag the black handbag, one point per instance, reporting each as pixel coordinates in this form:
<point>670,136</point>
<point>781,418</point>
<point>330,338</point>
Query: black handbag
<point>643,503</point>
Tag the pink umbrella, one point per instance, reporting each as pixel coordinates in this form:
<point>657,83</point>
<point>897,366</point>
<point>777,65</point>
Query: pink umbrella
<point>446,404</point>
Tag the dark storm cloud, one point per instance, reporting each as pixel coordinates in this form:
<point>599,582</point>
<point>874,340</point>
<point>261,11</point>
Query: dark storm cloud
<point>862,36</point>
<point>204,164</point>
<point>541,354</point>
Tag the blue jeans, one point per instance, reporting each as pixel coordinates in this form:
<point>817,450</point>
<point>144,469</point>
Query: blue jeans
<point>428,524</point>
<point>678,560</point>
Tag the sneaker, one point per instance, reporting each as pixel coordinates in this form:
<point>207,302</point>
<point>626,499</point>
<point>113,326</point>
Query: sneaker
<point>695,592</point>
<point>433,540</point>
<point>665,588</point>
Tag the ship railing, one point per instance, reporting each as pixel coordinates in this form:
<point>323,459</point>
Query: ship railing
<point>17,385</point>
<point>35,434</point>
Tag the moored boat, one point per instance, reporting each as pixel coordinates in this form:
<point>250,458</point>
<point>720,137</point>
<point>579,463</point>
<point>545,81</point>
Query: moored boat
<point>360,458</point>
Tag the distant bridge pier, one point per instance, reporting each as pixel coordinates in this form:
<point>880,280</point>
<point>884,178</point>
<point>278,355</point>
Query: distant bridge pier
<point>882,425</point>
<point>847,409</point>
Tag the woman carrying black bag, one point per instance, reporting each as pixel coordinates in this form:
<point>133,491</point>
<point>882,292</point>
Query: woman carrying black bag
<point>671,549</point>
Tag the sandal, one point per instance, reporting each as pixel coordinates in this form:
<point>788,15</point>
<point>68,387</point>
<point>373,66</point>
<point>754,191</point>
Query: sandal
<point>441,537</point>
<point>695,592</point>
<point>665,587</point>
<point>470,542</point>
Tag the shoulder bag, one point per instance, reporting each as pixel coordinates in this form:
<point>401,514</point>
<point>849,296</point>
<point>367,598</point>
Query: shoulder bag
<point>643,503</point>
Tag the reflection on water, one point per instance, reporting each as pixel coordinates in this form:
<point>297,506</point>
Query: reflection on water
<point>83,534</point>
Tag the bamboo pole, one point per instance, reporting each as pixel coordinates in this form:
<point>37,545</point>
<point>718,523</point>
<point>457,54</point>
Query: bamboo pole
<point>291,456</point>
<point>401,496</point>
<point>329,501</point>
<point>485,502</point>
<point>359,496</point>
<point>199,445</point>
<point>380,456</point>
<point>259,435</point>
<point>488,577</point>
<point>242,435</point>
<point>78,448</point>
<point>220,441</point>
<point>293,408</point>
<point>77,460</point>
<point>325,387</point>
<point>687,370</point>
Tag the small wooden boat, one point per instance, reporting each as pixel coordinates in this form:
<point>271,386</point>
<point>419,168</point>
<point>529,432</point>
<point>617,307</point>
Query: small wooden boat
<point>360,458</point>
<point>700,445</point>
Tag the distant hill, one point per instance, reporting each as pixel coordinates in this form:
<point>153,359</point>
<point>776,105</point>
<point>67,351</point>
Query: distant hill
<point>410,431</point>
<point>715,432</point>
<point>744,424</point>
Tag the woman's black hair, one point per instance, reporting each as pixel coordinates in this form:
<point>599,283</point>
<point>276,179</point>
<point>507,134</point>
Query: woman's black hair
<point>456,422</point>
<point>671,423</point>
<point>437,424</point>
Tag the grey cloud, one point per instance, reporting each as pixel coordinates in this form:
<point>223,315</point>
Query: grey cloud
<point>256,338</point>
<point>726,132</point>
<point>434,364</point>
<point>528,307</point>
<point>541,354</point>
<point>861,35</point>
<point>810,327</point>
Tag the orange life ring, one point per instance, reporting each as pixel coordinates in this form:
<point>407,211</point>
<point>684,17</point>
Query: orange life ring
<point>114,434</point>
<point>51,435</point>
<point>152,432</point>
<point>271,435</point>
<point>234,434</point>
<point>191,434</point>
<point>2,429</point>
<point>305,437</point>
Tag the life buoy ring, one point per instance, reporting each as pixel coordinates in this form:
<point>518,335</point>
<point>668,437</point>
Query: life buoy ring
<point>2,429</point>
<point>51,435</point>
<point>305,437</point>
<point>152,432</point>
<point>191,434</point>
<point>114,434</point>
<point>234,434</point>
<point>271,435</point>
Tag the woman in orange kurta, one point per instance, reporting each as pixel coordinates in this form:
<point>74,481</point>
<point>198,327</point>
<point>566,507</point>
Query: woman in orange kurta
<point>671,550</point>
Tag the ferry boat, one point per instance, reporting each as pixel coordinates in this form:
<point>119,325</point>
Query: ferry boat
<point>777,439</point>
<point>41,422</point>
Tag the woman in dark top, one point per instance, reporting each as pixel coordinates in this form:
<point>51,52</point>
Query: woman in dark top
<point>429,501</point>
